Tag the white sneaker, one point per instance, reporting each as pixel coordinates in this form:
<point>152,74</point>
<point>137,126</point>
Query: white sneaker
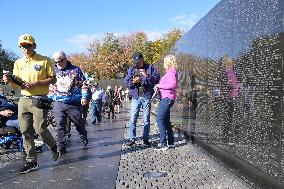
<point>171,146</point>
<point>38,142</point>
<point>160,147</point>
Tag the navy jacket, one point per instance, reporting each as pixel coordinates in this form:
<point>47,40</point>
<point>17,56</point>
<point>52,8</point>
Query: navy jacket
<point>6,105</point>
<point>148,83</point>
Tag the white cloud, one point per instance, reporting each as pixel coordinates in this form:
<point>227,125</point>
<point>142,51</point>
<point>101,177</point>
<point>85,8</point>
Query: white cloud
<point>186,21</point>
<point>83,39</point>
<point>153,35</point>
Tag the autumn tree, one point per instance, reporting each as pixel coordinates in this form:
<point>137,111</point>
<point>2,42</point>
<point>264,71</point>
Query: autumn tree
<point>169,40</point>
<point>107,57</point>
<point>7,59</point>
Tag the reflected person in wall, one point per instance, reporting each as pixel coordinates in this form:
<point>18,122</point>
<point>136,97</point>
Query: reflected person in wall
<point>193,102</point>
<point>229,91</point>
<point>167,91</point>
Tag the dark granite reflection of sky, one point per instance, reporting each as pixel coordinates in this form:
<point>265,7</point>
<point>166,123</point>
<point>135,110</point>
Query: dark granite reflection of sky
<point>228,29</point>
<point>233,57</point>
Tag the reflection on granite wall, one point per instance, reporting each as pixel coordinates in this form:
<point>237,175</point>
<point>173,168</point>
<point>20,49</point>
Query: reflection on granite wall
<point>231,80</point>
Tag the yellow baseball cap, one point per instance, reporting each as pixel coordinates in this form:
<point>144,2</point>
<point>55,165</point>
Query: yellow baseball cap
<point>26,38</point>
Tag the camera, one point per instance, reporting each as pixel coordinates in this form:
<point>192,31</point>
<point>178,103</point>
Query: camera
<point>15,79</point>
<point>138,73</point>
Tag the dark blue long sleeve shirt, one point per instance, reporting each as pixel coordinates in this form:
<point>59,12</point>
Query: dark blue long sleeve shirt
<point>148,83</point>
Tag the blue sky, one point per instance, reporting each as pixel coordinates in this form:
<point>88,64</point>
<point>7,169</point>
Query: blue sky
<point>68,24</point>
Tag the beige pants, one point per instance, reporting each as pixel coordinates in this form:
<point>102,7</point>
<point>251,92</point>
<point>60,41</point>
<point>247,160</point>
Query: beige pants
<point>33,119</point>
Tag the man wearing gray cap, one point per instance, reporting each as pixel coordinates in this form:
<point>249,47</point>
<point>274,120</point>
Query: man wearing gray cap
<point>140,79</point>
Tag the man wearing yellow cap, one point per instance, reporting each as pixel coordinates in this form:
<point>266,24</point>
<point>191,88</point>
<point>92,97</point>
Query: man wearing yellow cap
<point>37,72</point>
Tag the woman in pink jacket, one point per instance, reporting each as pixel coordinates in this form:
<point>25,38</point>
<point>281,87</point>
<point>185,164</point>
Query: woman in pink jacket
<point>167,91</point>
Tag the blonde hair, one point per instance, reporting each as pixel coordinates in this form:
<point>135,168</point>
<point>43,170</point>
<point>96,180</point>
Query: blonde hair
<point>170,61</point>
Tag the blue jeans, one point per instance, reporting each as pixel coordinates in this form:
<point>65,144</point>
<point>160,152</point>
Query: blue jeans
<point>164,123</point>
<point>96,111</point>
<point>136,104</point>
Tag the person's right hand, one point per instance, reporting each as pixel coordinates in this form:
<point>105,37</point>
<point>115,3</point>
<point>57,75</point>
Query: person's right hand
<point>5,78</point>
<point>6,113</point>
<point>136,80</point>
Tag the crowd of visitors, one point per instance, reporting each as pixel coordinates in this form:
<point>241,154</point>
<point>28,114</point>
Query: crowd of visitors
<point>44,81</point>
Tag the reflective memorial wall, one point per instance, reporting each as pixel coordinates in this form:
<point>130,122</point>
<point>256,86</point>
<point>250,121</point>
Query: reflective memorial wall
<point>230,93</point>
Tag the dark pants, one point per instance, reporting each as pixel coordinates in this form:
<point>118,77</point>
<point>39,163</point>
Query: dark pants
<point>96,111</point>
<point>85,111</point>
<point>68,125</point>
<point>61,112</point>
<point>110,109</point>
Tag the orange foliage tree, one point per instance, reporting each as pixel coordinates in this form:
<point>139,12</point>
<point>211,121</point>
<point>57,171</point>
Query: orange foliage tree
<point>111,56</point>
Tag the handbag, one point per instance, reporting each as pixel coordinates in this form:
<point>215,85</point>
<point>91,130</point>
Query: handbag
<point>42,103</point>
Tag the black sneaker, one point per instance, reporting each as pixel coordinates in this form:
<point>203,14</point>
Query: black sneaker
<point>54,153</point>
<point>84,140</point>
<point>130,143</point>
<point>146,143</point>
<point>28,167</point>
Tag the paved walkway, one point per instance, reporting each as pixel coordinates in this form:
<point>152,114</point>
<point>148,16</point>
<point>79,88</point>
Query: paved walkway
<point>106,163</point>
<point>94,166</point>
<point>186,166</point>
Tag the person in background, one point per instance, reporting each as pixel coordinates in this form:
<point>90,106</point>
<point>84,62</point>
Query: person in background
<point>122,95</point>
<point>8,111</point>
<point>126,95</point>
<point>98,97</point>
<point>37,72</point>
<point>69,98</point>
<point>167,91</point>
<point>117,99</point>
<point>85,110</point>
<point>109,102</point>
<point>140,79</point>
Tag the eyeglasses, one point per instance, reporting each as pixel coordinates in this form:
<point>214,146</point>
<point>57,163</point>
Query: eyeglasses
<point>59,61</point>
<point>26,46</point>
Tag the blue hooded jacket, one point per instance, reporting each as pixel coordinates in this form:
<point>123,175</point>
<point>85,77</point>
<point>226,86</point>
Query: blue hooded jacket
<point>148,83</point>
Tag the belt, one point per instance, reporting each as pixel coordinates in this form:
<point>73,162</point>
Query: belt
<point>35,96</point>
<point>98,100</point>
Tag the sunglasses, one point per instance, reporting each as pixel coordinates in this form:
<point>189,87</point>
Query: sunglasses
<point>26,46</point>
<point>59,61</point>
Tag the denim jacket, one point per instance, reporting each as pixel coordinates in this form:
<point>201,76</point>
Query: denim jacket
<point>147,84</point>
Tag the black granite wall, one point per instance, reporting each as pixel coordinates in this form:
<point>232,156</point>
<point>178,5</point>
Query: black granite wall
<point>232,61</point>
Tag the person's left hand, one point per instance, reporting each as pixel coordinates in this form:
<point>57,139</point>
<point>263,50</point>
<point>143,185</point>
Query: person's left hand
<point>31,84</point>
<point>83,102</point>
<point>156,87</point>
<point>143,73</point>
